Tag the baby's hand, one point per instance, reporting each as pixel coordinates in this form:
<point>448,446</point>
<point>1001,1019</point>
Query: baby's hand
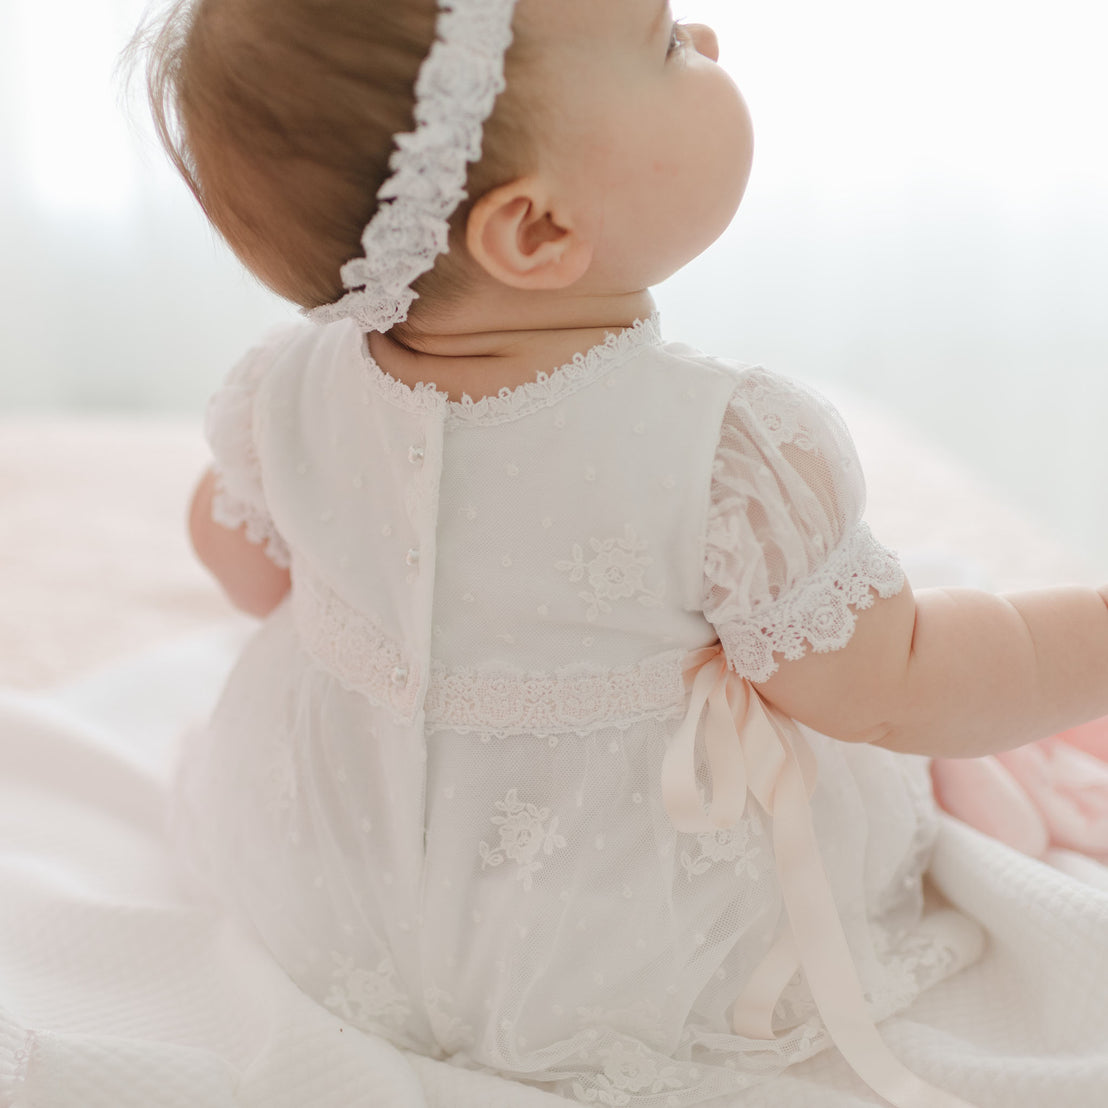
<point>243,569</point>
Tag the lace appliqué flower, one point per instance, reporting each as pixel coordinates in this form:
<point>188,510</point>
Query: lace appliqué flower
<point>735,845</point>
<point>524,836</point>
<point>615,572</point>
<point>369,998</point>
<point>630,1069</point>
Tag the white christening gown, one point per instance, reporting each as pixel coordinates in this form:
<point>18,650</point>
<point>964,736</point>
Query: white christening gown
<point>435,781</point>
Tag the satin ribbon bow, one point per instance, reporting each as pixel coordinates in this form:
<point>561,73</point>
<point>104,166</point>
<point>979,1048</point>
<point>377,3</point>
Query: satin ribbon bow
<point>754,749</point>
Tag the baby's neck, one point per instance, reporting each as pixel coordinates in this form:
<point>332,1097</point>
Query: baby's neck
<point>476,357</point>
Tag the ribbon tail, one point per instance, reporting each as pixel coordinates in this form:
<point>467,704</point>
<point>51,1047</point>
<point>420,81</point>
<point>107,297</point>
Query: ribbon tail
<point>825,953</point>
<point>679,791</point>
<point>752,1014</point>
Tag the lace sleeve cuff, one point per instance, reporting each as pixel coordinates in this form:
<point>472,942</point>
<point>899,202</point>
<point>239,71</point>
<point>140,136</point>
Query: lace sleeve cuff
<point>817,613</point>
<point>229,511</point>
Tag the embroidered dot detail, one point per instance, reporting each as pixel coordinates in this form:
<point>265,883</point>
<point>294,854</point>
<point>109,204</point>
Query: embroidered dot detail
<point>559,421</point>
<point>669,483</point>
<point>627,892</point>
<point>543,610</point>
<point>386,530</point>
<point>511,469</point>
<point>699,939</point>
<point>506,561</point>
<point>613,748</point>
<point>448,792</point>
<point>547,522</point>
<point>468,598</point>
<point>640,428</point>
<point>641,944</point>
<point>590,474</point>
<point>327,516</point>
<point>552,741</point>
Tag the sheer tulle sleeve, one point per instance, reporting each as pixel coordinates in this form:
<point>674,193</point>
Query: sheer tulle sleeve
<point>229,428</point>
<point>787,556</point>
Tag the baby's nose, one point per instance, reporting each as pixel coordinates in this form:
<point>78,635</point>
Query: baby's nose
<point>704,39</point>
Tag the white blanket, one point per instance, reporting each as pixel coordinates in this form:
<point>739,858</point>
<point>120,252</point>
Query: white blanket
<point>119,989</point>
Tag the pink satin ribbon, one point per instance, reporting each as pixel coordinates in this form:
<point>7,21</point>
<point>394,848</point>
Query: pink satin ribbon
<point>752,747</point>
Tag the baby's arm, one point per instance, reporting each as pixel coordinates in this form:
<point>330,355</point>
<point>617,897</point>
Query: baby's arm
<point>955,672</point>
<point>252,582</point>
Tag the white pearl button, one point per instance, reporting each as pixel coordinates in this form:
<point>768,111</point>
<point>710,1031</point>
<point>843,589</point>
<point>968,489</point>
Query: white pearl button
<point>416,454</point>
<point>400,676</point>
<point>412,557</point>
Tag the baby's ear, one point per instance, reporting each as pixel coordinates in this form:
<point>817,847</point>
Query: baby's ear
<point>517,235</point>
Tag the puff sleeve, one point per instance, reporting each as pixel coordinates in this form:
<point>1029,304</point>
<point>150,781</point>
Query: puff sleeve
<point>239,497</point>
<point>787,555</point>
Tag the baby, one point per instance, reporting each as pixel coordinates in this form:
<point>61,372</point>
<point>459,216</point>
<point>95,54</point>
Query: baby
<point>528,766</point>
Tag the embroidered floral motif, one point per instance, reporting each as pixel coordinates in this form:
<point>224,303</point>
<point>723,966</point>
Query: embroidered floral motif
<point>629,1068</point>
<point>524,835</point>
<point>733,845</point>
<point>368,998</point>
<point>615,572</point>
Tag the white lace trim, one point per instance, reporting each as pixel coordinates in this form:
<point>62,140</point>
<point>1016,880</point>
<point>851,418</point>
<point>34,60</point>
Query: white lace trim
<point>817,612</point>
<point>511,404</point>
<point>353,647</point>
<point>229,511</point>
<point>502,703</point>
<point>456,90</point>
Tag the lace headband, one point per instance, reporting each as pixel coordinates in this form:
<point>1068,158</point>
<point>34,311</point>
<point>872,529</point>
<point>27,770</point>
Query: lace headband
<point>457,87</point>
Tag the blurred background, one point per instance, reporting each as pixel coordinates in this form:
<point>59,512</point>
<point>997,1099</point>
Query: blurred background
<point>926,228</point>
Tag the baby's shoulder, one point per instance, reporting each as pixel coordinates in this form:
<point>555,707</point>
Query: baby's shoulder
<point>737,388</point>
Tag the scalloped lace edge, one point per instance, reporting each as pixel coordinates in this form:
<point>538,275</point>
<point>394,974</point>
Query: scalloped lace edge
<point>510,404</point>
<point>233,513</point>
<point>354,648</point>
<point>817,613</point>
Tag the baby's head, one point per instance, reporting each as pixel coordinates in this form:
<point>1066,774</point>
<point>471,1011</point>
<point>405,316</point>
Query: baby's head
<point>618,151</point>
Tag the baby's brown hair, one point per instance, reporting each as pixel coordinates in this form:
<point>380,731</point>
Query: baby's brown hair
<point>280,115</point>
